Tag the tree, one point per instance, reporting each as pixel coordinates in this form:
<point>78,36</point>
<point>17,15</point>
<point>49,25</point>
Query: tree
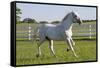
<point>55,22</point>
<point>43,22</point>
<point>29,20</point>
<point>18,12</point>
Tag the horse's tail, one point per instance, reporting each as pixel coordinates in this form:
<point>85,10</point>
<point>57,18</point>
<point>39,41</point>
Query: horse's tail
<point>35,33</point>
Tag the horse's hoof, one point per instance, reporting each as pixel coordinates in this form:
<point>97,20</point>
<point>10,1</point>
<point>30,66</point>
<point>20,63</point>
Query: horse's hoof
<point>37,55</point>
<point>68,50</point>
<point>76,56</point>
<point>74,44</point>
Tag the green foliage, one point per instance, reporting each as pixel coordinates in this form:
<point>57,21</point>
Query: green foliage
<point>18,12</point>
<point>55,22</point>
<point>43,22</point>
<point>29,20</point>
<point>18,22</point>
<point>88,21</point>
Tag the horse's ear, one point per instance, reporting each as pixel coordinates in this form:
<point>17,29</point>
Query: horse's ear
<point>72,11</point>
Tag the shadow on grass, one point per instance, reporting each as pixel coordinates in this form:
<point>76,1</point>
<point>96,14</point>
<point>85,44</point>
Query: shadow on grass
<point>85,39</point>
<point>78,39</point>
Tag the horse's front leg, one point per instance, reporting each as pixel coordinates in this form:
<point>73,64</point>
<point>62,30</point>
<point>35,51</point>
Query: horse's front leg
<point>73,43</point>
<point>51,47</point>
<point>71,47</point>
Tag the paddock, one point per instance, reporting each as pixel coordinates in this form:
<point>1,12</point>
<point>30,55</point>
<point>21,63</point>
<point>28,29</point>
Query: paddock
<point>26,49</point>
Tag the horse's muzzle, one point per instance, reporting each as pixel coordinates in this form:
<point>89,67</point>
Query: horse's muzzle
<point>79,21</point>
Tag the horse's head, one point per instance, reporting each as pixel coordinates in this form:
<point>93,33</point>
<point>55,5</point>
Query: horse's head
<point>76,18</point>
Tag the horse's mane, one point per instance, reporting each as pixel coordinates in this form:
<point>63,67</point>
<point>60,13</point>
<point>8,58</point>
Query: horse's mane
<point>65,17</point>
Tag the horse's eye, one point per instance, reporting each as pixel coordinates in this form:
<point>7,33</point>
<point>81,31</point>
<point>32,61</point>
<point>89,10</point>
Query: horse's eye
<point>75,16</point>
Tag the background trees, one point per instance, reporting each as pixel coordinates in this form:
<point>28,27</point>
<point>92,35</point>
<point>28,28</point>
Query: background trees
<point>43,22</point>
<point>18,12</point>
<point>55,22</point>
<point>29,20</point>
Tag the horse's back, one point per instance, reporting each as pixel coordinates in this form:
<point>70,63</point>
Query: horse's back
<point>53,32</point>
<point>50,25</point>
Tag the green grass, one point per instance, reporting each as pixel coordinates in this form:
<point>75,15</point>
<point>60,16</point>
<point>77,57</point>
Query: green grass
<point>26,52</point>
<point>93,22</point>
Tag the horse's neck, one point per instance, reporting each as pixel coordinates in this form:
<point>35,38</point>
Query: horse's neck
<point>67,24</point>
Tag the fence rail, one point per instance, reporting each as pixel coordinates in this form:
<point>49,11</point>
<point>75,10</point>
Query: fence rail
<point>85,30</point>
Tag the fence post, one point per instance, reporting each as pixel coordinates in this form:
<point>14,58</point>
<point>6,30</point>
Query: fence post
<point>90,31</point>
<point>29,32</point>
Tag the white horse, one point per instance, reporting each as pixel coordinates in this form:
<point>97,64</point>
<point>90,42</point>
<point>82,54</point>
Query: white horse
<point>62,31</point>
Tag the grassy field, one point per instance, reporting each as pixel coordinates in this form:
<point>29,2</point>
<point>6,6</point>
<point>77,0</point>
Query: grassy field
<point>26,52</point>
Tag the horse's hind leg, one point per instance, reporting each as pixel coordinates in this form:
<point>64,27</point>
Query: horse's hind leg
<point>39,48</point>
